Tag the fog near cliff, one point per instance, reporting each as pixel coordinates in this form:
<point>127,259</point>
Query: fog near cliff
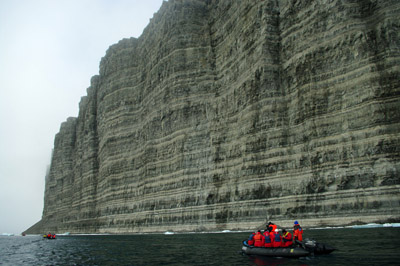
<point>49,50</point>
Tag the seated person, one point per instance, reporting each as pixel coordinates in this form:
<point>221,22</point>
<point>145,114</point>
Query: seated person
<point>287,238</point>
<point>277,239</point>
<point>267,239</point>
<point>250,241</point>
<point>259,239</point>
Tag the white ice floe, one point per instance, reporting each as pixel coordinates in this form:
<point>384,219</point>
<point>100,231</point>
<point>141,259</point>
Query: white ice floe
<point>391,225</point>
<point>7,234</point>
<point>359,226</point>
<point>64,234</point>
<point>371,225</point>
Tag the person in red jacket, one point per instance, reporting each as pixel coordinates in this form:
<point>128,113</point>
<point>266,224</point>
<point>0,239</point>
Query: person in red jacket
<point>286,238</point>
<point>267,240</point>
<point>250,241</point>
<point>272,236</point>
<point>272,227</point>
<point>258,239</point>
<point>297,232</point>
<point>277,239</point>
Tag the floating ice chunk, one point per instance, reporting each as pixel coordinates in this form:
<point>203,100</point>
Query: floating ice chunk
<point>371,225</point>
<point>64,234</point>
<point>391,225</point>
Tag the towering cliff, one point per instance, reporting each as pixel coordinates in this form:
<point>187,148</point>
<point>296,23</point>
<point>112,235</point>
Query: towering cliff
<point>226,114</point>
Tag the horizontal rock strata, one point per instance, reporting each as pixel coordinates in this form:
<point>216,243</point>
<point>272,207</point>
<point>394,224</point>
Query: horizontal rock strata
<point>227,114</point>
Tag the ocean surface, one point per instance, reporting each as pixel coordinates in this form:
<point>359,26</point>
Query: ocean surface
<point>355,246</point>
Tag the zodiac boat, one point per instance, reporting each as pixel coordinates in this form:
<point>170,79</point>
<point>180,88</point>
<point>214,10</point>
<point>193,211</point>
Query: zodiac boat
<point>301,249</point>
<point>289,252</point>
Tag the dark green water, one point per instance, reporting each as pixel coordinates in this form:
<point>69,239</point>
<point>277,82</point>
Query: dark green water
<point>376,246</point>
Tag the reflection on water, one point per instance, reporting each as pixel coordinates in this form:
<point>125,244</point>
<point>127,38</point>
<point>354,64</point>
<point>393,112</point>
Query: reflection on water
<point>377,246</point>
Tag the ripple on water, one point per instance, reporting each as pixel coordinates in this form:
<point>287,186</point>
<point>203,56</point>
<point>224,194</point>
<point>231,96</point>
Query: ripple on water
<point>373,246</point>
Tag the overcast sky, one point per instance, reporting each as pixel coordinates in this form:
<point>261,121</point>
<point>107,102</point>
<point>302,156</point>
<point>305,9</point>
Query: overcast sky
<point>49,50</point>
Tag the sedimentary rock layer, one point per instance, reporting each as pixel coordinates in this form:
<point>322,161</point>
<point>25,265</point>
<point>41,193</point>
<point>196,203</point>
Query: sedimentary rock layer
<point>227,114</point>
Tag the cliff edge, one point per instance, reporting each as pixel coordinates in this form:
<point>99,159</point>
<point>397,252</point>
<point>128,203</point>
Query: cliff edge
<point>228,114</point>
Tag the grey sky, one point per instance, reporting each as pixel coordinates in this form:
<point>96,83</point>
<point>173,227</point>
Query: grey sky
<point>49,50</point>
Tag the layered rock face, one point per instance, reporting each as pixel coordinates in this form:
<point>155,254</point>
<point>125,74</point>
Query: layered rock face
<point>227,114</point>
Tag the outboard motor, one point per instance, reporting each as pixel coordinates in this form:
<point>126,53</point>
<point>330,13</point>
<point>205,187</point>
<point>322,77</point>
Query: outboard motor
<point>316,248</point>
<point>310,245</point>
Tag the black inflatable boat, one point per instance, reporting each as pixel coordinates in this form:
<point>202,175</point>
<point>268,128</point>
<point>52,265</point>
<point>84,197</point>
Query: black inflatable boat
<point>289,252</point>
<point>300,249</point>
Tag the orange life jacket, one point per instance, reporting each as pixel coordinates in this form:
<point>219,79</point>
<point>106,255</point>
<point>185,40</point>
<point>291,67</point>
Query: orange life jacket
<point>274,227</point>
<point>258,240</point>
<point>298,233</point>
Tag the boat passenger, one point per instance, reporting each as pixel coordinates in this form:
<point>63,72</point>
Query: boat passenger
<point>267,239</point>
<point>286,238</point>
<point>297,232</point>
<point>49,235</point>
<point>273,227</point>
<point>258,239</point>
<point>277,239</point>
<point>250,241</point>
<point>271,235</point>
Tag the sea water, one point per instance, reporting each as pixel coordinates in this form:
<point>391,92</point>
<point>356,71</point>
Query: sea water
<point>355,246</point>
